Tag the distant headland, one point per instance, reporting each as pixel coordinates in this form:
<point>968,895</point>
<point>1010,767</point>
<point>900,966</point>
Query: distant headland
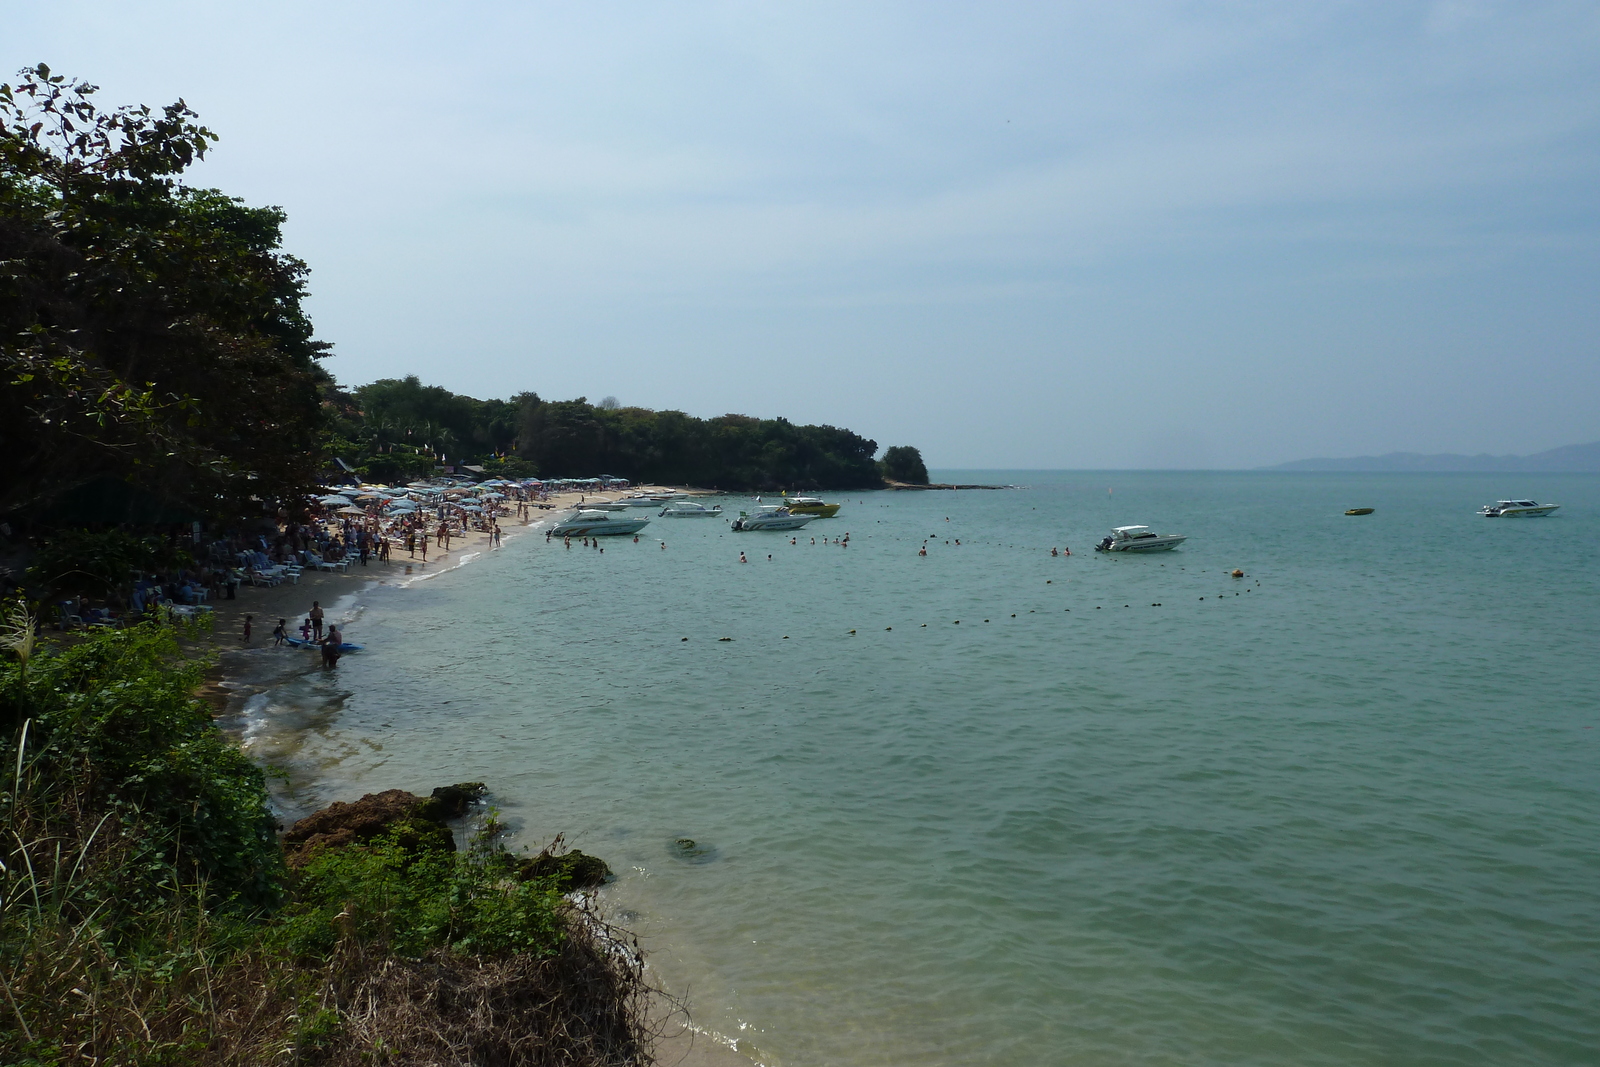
<point>1569,458</point>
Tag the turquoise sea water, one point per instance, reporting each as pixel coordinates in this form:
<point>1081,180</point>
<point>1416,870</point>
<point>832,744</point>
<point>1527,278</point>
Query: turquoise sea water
<point>1344,810</point>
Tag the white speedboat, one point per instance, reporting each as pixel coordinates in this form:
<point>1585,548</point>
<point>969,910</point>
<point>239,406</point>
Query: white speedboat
<point>598,524</point>
<point>770,518</point>
<point>1139,539</point>
<point>1509,508</point>
<point>688,509</point>
<point>604,505</point>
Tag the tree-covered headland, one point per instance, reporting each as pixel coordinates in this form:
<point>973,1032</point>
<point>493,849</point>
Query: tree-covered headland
<point>153,336</point>
<point>399,427</point>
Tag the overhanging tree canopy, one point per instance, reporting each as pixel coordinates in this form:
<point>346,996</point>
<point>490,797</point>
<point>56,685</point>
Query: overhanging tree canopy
<point>149,331</point>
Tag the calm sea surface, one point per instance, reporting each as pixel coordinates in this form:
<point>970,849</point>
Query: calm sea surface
<point>1344,810</point>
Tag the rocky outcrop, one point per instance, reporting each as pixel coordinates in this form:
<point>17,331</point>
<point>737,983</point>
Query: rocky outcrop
<point>568,870</point>
<point>417,823</point>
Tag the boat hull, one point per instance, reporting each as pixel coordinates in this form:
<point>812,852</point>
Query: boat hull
<point>1153,544</point>
<point>788,522</point>
<point>691,513</point>
<point>593,528</point>
<point>816,511</point>
<point>1519,513</point>
<point>1360,511</point>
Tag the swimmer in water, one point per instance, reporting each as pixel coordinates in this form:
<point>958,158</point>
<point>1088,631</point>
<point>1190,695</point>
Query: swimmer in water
<point>923,551</point>
<point>742,559</point>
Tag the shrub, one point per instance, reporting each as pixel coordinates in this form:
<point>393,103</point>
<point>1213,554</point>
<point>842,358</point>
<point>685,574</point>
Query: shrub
<point>390,894</point>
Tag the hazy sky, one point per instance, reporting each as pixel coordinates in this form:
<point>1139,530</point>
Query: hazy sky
<point>1016,235</point>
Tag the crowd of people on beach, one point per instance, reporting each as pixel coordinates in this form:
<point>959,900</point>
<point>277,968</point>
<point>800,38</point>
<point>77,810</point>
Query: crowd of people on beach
<point>369,525</point>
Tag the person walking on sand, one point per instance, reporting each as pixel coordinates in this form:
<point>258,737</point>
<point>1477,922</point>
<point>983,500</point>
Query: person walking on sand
<point>315,615</point>
<point>247,619</point>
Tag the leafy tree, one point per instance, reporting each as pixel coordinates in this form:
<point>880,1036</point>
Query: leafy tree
<point>149,331</point>
<point>574,438</point>
<point>903,463</point>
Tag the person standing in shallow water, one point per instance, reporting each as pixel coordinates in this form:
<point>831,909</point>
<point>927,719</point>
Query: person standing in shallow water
<point>315,615</point>
<point>330,647</point>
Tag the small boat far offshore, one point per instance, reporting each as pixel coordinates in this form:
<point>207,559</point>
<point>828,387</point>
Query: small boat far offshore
<point>1516,508</point>
<point>1360,511</point>
<point>1139,539</point>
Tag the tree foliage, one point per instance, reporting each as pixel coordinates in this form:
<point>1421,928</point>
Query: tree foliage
<point>903,463</point>
<point>574,438</point>
<point>149,331</point>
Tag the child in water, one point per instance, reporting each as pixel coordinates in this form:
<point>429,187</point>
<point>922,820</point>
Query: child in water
<point>280,632</point>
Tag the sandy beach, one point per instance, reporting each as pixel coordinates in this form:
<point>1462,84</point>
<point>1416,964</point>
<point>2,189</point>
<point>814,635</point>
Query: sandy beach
<point>292,600</point>
<point>679,1045</point>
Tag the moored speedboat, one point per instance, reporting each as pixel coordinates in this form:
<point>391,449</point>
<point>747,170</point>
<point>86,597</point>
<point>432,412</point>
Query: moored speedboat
<point>770,518</point>
<point>598,524</point>
<point>1512,508</point>
<point>811,505</point>
<point>1139,539</point>
<point>688,509</point>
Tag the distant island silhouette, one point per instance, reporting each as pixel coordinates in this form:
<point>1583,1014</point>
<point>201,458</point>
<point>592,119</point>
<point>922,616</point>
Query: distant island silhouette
<point>1569,458</point>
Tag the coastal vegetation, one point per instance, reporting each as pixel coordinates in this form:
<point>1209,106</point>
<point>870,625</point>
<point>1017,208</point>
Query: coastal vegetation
<point>151,334</point>
<point>147,914</point>
<point>161,367</point>
<point>903,463</point>
<point>397,428</point>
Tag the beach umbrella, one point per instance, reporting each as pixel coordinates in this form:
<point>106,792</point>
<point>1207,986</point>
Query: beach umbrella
<point>494,496</point>
<point>334,499</point>
<point>472,507</point>
<point>351,511</point>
